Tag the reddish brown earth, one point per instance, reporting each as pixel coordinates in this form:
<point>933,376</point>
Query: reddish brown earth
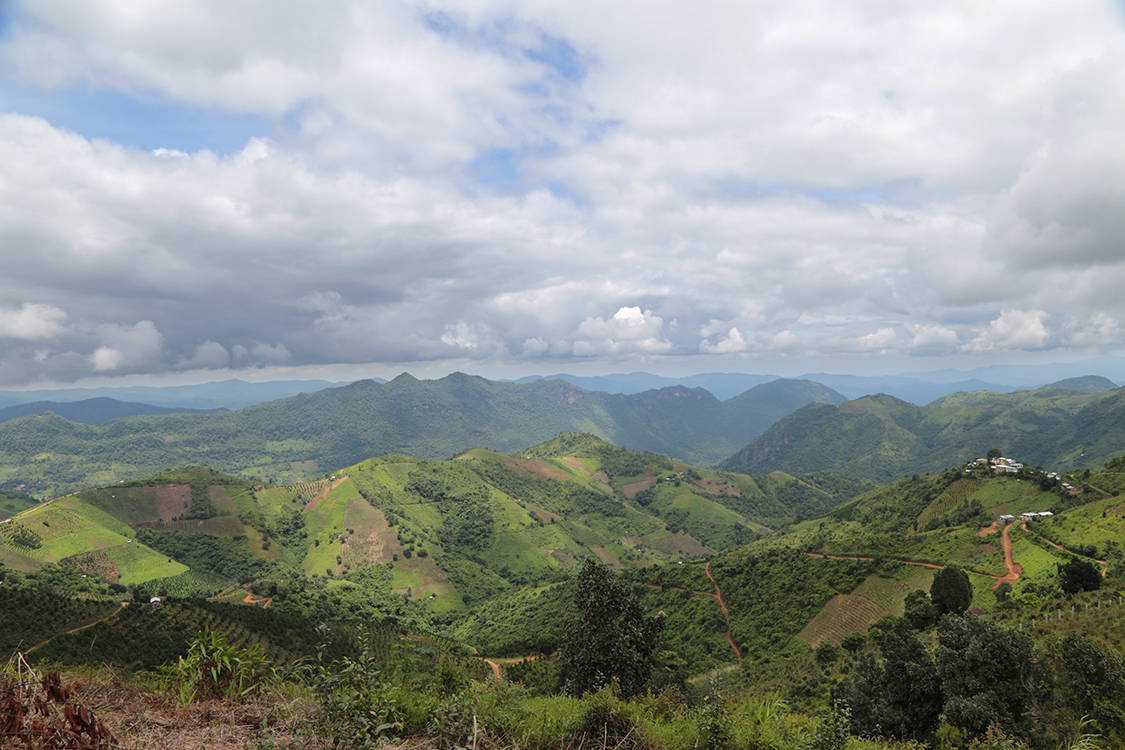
<point>324,493</point>
<point>1103,563</point>
<point>533,467</point>
<point>1015,570</point>
<point>173,500</point>
<point>631,490</point>
<point>722,605</point>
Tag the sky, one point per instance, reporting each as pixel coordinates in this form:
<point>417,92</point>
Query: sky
<point>345,189</point>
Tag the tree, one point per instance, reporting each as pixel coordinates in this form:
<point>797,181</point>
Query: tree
<point>919,611</point>
<point>1079,575</point>
<point>911,705</point>
<point>854,642</point>
<point>609,636</point>
<point>827,654</point>
<point>986,673</point>
<point>994,453</point>
<point>899,697</point>
<point>952,591</point>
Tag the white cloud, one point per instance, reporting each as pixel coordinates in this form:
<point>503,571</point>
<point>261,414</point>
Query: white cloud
<point>731,342</point>
<point>31,322</point>
<point>1013,329</point>
<point>721,174</point>
<point>1100,330</point>
<point>534,347</point>
<point>933,339</point>
<point>882,340</point>
<point>630,330</point>
<point>785,341</point>
<point>106,359</point>
<point>271,353</point>
<point>208,355</point>
<point>139,346</point>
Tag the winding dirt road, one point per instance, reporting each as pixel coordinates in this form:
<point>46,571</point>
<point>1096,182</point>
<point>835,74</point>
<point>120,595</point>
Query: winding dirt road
<point>1015,570</point>
<point>489,662</point>
<point>1103,563</point>
<point>722,605</point>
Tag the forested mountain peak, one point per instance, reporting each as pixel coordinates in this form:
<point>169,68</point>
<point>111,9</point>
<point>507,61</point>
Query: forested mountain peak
<point>1085,384</point>
<point>880,437</point>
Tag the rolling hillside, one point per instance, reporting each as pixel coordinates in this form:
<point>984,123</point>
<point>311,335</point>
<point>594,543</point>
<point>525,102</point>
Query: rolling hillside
<point>410,538</point>
<point>482,548</point>
<point>299,438</point>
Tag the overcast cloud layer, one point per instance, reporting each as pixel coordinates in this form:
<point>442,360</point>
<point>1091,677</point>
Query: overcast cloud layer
<point>216,185</point>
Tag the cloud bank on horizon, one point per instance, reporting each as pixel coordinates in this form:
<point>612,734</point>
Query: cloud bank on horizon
<point>213,185</point>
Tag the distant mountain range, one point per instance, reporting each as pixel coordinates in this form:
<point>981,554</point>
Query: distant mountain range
<point>917,388</point>
<point>304,436</point>
<point>93,410</point>
<point>225,394</point>
<point>1067,425</point>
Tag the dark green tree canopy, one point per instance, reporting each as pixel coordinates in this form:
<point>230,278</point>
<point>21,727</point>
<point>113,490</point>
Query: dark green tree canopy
<point>919,611</point>
<point>898,697</point>
<point>1079,575</point>
<point>952,591</point>
<point>609,636</point>
<point>986,673</point>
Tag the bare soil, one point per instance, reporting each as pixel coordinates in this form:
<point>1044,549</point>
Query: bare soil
<point>173,500</point>
<point>1015,570</point>
<point>722,605</point>
<point>631,490</point>
<point>537,469</point>
<point>324,493</point>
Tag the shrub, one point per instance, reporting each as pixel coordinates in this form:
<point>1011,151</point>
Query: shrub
<point>212,669</point>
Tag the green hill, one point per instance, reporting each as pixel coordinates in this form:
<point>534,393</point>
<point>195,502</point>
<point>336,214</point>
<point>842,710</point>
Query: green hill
<point>455,531</point>
<point>879,437</point>
<point>298,438</point>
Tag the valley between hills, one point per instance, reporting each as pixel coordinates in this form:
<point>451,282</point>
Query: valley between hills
<point>806,590</point>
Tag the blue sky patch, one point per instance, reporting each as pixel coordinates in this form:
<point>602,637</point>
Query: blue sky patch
<point>560,56</point>
<point>146,123</point>
<point>892,193</point>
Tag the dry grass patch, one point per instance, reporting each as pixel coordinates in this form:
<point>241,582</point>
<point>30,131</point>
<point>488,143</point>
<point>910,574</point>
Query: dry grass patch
<point>537,468</point>
<point>173,500</point>
<point>633,488</point>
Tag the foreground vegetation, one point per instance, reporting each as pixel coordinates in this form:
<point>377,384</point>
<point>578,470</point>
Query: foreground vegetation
<point>576,593</point>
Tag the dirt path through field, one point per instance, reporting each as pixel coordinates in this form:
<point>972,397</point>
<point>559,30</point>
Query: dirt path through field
<point>1103,563</point>
<point>492,663</point>
<point>113,613</point>
<point>904,562</point>
<point>324,493</point>
<point>1015,570</point>
<point>722,605</point>
<point>251,600</point>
